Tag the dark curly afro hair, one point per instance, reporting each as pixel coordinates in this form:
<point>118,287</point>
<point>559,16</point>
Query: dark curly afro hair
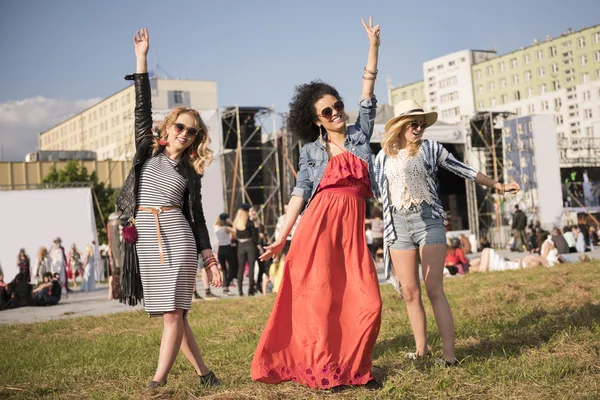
<point>303,115</point>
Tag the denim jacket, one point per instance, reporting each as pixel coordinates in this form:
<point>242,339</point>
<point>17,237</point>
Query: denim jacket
<point>314,157</point>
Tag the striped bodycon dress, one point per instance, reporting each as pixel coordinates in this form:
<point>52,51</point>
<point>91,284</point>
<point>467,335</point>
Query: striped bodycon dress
<point>170,285</point>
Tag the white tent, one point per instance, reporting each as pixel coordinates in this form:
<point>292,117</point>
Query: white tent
<point>33,218</point>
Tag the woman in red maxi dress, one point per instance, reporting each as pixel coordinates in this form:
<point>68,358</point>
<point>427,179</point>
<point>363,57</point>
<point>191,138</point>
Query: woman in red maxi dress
<point>327,313</point>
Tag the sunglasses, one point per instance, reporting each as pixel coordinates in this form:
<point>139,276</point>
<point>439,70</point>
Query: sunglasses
<point>327,112</point>
<point>181,127</point>
<point>417,124</point>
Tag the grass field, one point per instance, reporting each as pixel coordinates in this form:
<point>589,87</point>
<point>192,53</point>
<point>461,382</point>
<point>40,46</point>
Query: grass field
<point>529,334</point>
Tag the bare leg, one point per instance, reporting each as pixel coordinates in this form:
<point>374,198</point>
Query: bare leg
<point>406,268</point>
<point>191,351</point>
<point>432,259</point>
<point>170,343</point>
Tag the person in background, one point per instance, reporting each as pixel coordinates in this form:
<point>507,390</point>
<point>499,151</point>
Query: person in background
<point>59,263</point>
<point>4,296</point>
<point>593,235</point>
<point>484,243</point>
<point>75,264</point>
<point>248,244</point>
<point>569,238</point>
<point>48,292</point>
<point>19,291</point>
<point>377,232</point>
<point>580,242</point>
<point>519,223</point>
<point>224,232</point>
<point>43,264</point>
<point>559,241</point>
<point>263,266</point>
<point>456,262</point>
<point>98,271</point>
<point>465,244</point>
<point>88,279</point>
<point>24,264</point>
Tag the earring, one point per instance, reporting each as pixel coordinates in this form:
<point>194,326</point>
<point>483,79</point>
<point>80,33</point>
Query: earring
<point>162,142</point>
<point>322,135</point>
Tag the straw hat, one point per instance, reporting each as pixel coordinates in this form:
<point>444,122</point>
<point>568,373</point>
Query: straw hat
<point>409,108</point>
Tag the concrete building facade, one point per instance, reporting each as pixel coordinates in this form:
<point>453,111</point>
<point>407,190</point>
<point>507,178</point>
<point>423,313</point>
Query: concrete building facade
<point>107,127</point>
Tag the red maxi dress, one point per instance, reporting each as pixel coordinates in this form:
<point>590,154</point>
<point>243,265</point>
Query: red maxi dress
<point>327,314</point>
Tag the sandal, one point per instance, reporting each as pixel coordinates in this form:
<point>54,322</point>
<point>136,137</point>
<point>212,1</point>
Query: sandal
<point>373,385</point>
<point>209,380</point>
<point>416,356</point>
<point>440,362</point>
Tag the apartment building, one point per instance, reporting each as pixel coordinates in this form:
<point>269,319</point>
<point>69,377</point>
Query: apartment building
<point>107,127</point>
<point>558,76</point>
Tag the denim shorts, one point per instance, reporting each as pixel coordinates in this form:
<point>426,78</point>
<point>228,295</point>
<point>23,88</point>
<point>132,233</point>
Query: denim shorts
<point>415,227</point>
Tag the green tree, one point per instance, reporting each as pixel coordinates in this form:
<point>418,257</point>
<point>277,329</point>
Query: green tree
<point>74,172</point>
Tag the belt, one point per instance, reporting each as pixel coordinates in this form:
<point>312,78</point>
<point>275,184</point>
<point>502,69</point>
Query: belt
<point>156,211</point>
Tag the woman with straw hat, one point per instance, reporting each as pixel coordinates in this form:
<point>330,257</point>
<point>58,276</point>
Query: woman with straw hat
<point>414,219</point>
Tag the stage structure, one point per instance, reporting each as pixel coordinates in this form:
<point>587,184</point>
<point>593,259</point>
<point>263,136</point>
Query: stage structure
<point>258,160</point>
<point>484,151</point>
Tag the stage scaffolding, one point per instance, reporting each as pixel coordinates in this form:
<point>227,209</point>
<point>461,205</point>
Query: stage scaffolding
<point>259,160</point>
<point>484,150</point>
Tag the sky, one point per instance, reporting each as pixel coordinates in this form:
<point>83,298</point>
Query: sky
<point>59,57</point>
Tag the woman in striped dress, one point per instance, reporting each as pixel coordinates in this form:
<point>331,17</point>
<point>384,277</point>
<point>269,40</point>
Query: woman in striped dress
<point>163,192</point>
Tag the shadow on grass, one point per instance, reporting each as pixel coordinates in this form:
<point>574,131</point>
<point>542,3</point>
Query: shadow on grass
<point>534,330</point>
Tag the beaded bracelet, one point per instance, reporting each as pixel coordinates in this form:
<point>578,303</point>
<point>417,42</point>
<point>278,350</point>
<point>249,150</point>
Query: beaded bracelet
<point>210,263</point>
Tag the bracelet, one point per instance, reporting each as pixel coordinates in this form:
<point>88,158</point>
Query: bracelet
<point>369,78</point>
<point>371,72</point>
<point>210,262</point>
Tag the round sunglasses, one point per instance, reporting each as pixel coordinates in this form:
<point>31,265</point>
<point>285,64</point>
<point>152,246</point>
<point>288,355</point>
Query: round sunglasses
<point>181,127</point>
<point>417,124</point>
<point>327,112</point>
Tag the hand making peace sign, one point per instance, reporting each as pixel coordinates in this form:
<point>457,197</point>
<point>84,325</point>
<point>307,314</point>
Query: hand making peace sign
<point>372,32</point>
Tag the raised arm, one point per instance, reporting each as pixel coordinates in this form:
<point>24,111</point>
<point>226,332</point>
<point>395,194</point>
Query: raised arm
<point>370,73</point>
<point>143,98</point>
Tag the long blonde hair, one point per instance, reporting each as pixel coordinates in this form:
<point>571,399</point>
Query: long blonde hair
<point>88,250</point>
<point>198,154</point>
<point>391,141</point>
<point>241,220</point>
<point>42,252</point>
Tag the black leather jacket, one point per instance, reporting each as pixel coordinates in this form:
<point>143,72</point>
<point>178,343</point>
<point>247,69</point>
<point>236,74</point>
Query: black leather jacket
<point>126,200</point>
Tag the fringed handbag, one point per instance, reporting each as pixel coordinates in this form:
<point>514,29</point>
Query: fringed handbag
<point>131,280</point>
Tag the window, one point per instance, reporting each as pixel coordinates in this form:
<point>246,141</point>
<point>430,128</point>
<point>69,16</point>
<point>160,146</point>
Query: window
<point>539,55</point>
<point>451,63</point>
<point>541,72</point>
<point>414,93</point>
<point>517,95</point>
<point>559,120</point>
<point>542,88</point>
<point>515,79</point>
<point>480,105</point>
<point>552,51</point>
<point>529,92</point>
<point>441,66</point>
<point>504,99</point>
<point>556,85</point>
<point>581,42</point>
<point>490,70</point>
<point>589,131</point>
<point>587,113</point>
<point>478,74</point>
<point>493,102</point>
<point>503,82</point>
<point>463,59</point>
<point>501,66</point>
<point>555,68</point>
<point>491,85</point>
<point>527,76</point>
<point>597,56</point>
<point>566,44</point>
<point>585,78</point>
<point>479,89</point>
<point>596,37</point>
<point>526,58</point>
<point>513,63</point>
<point>587,95</point>
<point>520,128</point>
<point>545,105</point>
<point>583,60</point>
<point>531,109</point>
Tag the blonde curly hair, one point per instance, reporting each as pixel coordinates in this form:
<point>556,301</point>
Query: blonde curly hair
<point>198,154</point>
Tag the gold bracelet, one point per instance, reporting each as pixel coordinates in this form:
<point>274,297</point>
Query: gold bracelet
<point>369,78</point>
<point>371,72</point>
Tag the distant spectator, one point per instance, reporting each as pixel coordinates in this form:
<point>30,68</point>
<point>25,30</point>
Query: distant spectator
<point>3,291</point>
<point>59,263</point>
<point>484,243</point>
<point>43,264</point>
<point>19,292</point>
<point>75,264</point>
<point>377,232</point>
<point>570,238</point>
<point>88,282</point>
<point>580,242</point>
<point>48,292</point>
<point>519,223</point>
<point>559,241</point>
<point>24,265</point>
<point>593,235</point>
<point>465,244</point>
<point>456,262</point>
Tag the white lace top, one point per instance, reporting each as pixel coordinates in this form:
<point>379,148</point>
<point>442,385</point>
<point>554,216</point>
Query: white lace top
<point>407,180</point>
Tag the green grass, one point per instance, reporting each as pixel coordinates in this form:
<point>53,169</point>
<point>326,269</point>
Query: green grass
<point>529,334</point>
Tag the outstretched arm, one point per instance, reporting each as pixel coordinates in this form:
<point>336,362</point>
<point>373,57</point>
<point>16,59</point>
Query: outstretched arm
<point>141,40</point>
<point>370,73</point>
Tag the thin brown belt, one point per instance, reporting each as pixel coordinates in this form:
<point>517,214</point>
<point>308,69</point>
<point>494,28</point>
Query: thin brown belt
<point>156,211</point>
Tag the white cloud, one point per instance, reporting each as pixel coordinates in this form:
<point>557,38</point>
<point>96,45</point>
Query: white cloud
<point>22,120</point>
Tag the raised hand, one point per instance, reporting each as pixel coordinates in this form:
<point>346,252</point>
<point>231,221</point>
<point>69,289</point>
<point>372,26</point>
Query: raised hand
<point>372,32</point>
<point>141,40</point>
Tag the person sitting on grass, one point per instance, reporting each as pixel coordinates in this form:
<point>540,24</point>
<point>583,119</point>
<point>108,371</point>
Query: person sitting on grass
<point>47,293</point>
<point>456,262</point>
<point>19,292</point>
